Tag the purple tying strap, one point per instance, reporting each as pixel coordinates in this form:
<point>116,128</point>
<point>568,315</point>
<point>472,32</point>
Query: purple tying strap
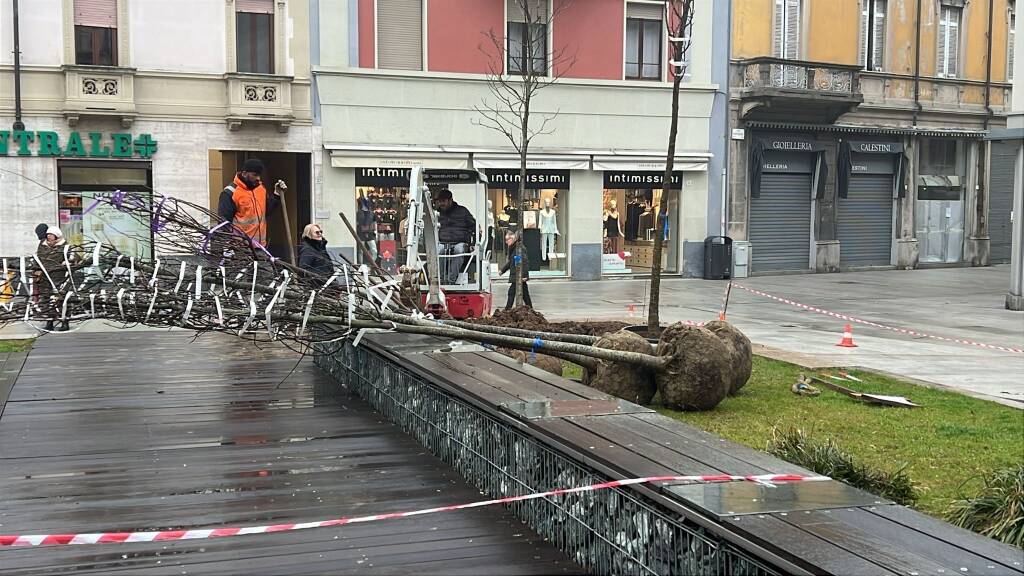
<point>155,225</point>
<point>206,241</point>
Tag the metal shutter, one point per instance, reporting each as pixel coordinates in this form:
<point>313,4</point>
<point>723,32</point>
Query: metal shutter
<point>865,221</point>
<point>538,10</point>
<point>255,6</point>
<point>1000,231</point>
<point>400,34</point>
<point>780,223</point>
<point>98,13</point>
<point>646,11</point>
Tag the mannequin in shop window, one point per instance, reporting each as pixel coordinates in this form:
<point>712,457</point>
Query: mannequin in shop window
<point>548,229</point>
<point>366,227</point>
<point>613,228</point>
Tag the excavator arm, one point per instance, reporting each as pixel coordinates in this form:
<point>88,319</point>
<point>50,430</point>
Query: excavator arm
<point>422,222</point>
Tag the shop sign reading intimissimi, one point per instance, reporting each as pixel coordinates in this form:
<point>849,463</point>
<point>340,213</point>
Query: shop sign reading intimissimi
<point>615,179</point>
<point>390,177</point>
<point>91,145</point>
<point>535,179</point>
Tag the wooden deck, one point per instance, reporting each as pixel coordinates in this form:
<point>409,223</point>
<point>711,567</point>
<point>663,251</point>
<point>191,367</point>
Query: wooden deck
<point>813,528</point>
<point>150,430</point>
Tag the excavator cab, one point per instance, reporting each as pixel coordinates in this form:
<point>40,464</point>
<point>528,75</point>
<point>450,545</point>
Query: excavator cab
<point>453,277</point>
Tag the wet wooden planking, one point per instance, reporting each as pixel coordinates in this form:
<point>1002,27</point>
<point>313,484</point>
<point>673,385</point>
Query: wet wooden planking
<point>150,431</point>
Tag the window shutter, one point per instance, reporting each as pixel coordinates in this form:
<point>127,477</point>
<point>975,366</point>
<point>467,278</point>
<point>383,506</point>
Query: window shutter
<point>878,59</point>
<point>538,10</point>
<point>953,43</point>
<point>255,6</point>
<point>645,11</point>
<point>1009,45</point>
<point>863,32</point>
<point>778,36</point>
<point>940,65</point>
<point>400,34</point>
<point>792,50</point>
<point>97,13</point>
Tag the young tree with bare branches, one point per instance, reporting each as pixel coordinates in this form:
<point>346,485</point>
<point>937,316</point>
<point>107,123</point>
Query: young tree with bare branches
<point>678,20</point>
<point>519,67</point>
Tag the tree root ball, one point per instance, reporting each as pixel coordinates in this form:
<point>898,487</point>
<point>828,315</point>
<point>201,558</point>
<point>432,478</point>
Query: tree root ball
<point>697,376</point>
<point>621,379</point>
<point>740,353</point>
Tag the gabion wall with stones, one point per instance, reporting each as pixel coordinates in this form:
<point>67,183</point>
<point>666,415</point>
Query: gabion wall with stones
<point>612,531</point>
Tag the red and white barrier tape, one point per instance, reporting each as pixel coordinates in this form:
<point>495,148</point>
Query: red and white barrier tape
<point>877,325</point>
<point>206,533</point>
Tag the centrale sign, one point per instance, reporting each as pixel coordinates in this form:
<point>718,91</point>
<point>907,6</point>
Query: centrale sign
<point>77,145</point>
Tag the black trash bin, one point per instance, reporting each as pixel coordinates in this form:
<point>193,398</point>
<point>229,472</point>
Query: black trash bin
<point>717,258</point>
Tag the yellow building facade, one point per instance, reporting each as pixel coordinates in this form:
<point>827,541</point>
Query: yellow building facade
<point>880,108</point>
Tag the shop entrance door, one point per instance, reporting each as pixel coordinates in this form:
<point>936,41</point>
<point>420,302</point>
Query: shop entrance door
<point>940,224</point>
<point>293,168</point>
<point>1004,157</point>
<point>865,221</point>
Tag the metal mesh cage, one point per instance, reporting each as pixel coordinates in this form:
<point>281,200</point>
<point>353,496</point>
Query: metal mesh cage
<point>611,531</point>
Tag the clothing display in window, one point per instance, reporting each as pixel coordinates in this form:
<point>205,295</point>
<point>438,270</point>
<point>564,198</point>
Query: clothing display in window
<point>548,224</point>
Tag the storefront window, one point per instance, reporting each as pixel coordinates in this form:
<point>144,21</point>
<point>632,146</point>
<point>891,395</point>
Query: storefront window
<point>382,201</point>
<point>545,217</point>
<point>629,223</point>
<point>83,219</point>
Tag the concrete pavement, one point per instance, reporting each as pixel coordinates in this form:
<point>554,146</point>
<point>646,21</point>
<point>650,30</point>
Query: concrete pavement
<point>964,303</point>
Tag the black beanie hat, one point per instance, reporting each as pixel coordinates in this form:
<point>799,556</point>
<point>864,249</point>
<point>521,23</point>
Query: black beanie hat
<point>41,230</point>
<point>253,165</point>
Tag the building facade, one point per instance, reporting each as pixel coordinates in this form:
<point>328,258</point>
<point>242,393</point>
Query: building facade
<point>156,96</point>
<point>399,84</point>
<point>859,130</point>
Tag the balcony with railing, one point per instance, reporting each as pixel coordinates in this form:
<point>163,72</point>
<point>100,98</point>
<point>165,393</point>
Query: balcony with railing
<point>780,89</point>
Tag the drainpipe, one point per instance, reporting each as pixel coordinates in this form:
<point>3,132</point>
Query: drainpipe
<point>917,65</point>
<point>988,68</point>
<point>983,155</point>
<point>18,124</point>
<point>869,34</point>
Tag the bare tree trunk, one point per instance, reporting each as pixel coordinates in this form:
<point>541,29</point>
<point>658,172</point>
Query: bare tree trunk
<point>661,213</point>
<point>526,66</point>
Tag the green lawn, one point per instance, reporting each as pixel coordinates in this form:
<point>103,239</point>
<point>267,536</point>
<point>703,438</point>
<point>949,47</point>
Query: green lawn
<point>15,345</point>
<point>951,440</point>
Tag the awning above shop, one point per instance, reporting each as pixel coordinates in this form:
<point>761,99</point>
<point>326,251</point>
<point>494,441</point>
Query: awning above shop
<point>534,162</point>
<point>352,157</point>
<point>688,163</point>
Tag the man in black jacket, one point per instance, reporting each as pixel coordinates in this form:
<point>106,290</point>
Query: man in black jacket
<point>456,231</point>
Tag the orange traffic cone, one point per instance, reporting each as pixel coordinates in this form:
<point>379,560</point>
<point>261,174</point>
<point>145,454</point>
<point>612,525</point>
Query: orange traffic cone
<point>721,316</point>
<point>847,341</point>
<point>631,309</point>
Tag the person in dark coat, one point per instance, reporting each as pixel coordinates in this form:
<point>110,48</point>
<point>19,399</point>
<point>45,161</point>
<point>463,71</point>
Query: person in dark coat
<point>41,229</point>
<point>51,255</point>
<point>516,259</point>
<point>313,254</point>
<point>456,233</point>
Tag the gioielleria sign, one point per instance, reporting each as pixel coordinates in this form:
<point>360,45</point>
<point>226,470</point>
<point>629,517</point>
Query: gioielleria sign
<point>89,145</point>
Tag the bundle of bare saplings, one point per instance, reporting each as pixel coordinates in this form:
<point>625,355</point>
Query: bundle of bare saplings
<point>217,280</point>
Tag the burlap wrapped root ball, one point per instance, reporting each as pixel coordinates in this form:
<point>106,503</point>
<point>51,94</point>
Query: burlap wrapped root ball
<point>542,361</point>
<point>697,376</point>
<point>740,353</point>
<point>621,379</point>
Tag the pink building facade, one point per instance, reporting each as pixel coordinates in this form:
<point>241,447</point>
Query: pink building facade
<point>404,80</point>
